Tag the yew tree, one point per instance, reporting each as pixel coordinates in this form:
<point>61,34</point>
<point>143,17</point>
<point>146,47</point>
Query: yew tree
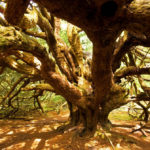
<point>92,88</point>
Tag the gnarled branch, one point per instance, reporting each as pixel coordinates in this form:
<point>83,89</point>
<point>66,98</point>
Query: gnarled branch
<point>131,70</point>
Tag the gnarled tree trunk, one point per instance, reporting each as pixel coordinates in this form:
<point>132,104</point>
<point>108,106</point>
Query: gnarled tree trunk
<point>103,21</point>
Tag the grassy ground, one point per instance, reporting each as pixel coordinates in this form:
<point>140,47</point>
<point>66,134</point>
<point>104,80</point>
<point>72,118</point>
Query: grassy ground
<point>120,115</point>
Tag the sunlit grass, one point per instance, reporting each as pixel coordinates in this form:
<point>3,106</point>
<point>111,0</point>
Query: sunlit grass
<point>120,115</point>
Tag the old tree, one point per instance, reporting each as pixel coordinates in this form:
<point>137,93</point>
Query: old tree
<point>92,88</point>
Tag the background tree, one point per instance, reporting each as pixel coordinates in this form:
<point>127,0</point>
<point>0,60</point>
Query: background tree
<point>115,27</point>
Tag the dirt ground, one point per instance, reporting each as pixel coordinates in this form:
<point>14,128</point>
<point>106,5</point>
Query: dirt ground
<point>39,133</point>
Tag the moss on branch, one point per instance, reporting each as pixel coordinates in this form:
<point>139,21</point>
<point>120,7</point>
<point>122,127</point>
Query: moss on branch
<point>131,70</point>
<point>12,39</point>
<point>42,86</point>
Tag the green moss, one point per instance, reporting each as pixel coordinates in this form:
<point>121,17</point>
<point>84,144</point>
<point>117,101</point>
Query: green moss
<point>119,115</point>
<point>63,35</point>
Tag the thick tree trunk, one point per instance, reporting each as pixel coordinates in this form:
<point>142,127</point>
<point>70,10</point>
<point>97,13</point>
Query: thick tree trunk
<point>103,21</point>
<point>91,117</point>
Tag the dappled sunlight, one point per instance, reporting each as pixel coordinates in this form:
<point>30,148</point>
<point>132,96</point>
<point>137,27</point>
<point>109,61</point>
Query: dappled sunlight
<point>35,143</point>
<point>121,35</point>
<point>106,148</point>
<point>34,134</point>
<point>34,121</point>
<point>38,63</point>
<point>91,143</point>
<point>65,115</point>
<point>45,128</point>
<point>30,128</point>
<point>3,139</point>
<point>42,134</point>
<point>16,146</point>
<point>147,139</point>
<point>14,64</point>
<point>10,133</point>
<point>1,131</point>
<point>47,143</point>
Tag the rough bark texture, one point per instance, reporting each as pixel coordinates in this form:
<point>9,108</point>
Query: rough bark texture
<point>12,8</point>
<point>12,39</point>
<point>103,21</point>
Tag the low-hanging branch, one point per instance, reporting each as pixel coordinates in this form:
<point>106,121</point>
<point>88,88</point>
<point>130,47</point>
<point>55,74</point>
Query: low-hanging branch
<point>12,39</point>
<point>141,53</point>
<point>21,67</point>
<point>136,99</point>
<point>131,70</point>
<point>41,86</point>
<point>36,34</point>
<point>127,46</point>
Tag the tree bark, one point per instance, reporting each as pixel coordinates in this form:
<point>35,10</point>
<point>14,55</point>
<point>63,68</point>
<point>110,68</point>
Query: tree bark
<point>17,7</point>
<point>103,21</point>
